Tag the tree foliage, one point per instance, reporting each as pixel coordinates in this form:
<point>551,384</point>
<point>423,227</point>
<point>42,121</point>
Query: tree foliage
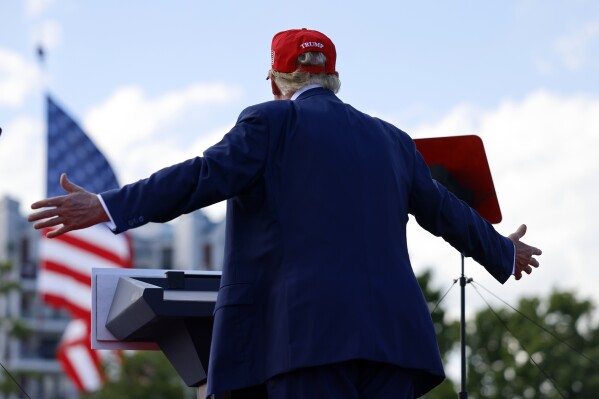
<point>15,328</point>
<point>535,356</point>
<point>548,347</point>
<point>144,375</point>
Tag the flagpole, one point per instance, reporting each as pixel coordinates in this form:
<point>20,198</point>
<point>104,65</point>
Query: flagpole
<point>41,59</point>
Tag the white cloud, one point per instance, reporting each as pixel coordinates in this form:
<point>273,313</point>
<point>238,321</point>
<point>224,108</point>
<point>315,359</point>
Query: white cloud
<point>131,127</point>
<point>542,152</point>
<point>574,48</point>
<point>18,78</point>
<point>34,8</point>
<point>462,119</point>
<point>22,160</point>
<point>162,153</point>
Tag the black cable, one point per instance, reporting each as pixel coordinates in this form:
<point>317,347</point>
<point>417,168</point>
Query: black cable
<point>15,381</point>
<point>443,297</point>
<point>543,328</point>
<point>523,347</point>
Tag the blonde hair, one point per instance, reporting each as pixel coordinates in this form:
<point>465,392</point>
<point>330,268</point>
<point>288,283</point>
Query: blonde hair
<point>289,83</point>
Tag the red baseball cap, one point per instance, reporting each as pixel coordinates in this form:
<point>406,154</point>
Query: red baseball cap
<point>289,44</point>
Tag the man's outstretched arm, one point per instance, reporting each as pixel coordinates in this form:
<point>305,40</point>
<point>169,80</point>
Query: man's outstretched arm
<point>75,210</point>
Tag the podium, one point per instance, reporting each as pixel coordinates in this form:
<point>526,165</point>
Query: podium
<point>460,164</point>
<point>167,310</point>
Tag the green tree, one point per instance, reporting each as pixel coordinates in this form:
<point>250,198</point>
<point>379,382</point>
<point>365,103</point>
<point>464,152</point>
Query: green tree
<point>15,327</point>
<point>144,375</point>
<point>512,357</point>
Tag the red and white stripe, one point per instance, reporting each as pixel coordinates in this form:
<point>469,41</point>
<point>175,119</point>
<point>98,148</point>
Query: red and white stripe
<point>64,281</point>
<point>80,362</point>
<point>66,263</point>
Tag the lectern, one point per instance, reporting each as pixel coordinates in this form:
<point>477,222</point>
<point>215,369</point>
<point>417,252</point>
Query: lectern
<point>460,164</point>
<point>163,310</point>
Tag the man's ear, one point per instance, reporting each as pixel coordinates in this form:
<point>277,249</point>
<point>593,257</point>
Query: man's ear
<point>275,89</point>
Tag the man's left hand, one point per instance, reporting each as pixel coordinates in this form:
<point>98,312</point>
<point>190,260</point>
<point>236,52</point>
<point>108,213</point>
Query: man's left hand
<point>524,253</point>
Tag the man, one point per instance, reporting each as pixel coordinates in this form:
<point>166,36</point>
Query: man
<point>318,298</point>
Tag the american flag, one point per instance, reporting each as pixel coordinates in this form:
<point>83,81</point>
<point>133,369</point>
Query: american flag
<point>66,261</point>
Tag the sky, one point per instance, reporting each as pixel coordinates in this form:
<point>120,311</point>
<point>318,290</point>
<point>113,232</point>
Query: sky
<point>155,83</point>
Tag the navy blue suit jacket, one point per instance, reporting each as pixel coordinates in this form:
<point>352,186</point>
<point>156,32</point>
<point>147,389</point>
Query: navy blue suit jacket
<point>316,266</point>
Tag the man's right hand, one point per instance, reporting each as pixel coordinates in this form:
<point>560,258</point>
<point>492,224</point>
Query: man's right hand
<point>524,253</point>
<point>76,210</point>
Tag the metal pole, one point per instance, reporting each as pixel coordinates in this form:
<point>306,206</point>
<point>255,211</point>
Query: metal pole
<point>463,393</point>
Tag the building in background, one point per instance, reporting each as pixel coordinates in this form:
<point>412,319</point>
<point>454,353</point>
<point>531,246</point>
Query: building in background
<point>199,243</point>
<point>28,354</point>
<point>30,330</point>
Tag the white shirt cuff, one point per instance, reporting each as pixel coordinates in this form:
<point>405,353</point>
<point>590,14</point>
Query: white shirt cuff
<point>513,264</point>
<point>111,225</point>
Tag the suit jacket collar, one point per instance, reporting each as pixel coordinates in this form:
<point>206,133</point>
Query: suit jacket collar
<point>315,92</point>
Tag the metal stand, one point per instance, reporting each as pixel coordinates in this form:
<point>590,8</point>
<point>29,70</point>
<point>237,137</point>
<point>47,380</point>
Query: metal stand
<point>463,281</point>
